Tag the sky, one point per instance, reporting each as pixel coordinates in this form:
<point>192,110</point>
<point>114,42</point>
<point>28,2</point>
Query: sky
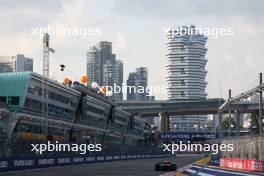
<point>136,30</point>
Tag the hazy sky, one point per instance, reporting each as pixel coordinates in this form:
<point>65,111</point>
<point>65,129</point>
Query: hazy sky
<point>136,29</point>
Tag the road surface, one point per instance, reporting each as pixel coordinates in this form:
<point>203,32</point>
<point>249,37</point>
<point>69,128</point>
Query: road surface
<point>139,167</point>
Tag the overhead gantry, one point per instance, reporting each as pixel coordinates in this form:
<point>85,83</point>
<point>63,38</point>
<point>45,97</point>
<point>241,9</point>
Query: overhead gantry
<point>232,102</point>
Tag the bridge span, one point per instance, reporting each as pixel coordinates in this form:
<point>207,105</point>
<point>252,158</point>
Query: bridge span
<point>167,108</point>
<point>191,107</point>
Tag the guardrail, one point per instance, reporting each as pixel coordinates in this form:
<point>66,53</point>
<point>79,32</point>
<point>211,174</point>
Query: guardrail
<point>22,163</point>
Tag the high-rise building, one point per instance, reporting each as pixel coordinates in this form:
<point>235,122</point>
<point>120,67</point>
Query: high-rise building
<point>131,81</point>
<point>186,72</point>
<point>138,80</point>
<point>119,75</point>
<point>94,66</point>
<point>16,63</point>
<point>104,68</point>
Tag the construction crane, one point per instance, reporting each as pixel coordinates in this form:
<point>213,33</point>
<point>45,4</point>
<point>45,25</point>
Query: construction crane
<point>45,86</point>
<point>46,51</point>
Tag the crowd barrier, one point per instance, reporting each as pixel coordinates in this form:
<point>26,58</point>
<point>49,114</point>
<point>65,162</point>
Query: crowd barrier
<point>22,163</point>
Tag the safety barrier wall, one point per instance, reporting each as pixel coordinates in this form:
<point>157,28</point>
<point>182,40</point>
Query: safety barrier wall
<point>21,163</point>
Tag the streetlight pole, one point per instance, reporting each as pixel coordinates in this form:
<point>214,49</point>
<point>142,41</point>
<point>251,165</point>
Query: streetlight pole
<point>229,110</point>
<point>260,105</point>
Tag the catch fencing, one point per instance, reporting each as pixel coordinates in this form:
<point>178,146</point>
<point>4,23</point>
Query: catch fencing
<point>245,147</point>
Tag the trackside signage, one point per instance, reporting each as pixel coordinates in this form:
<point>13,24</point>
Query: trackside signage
<point>240,164</point>
<point>190,136</point>
<point>19,163</point>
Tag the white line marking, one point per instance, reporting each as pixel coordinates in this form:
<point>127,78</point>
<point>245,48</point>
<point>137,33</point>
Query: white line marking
<point>169,174</point>
<point>191,171</point>
<point>199,173</point>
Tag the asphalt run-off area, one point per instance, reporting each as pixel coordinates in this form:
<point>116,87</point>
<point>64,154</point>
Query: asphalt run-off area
<point>139,167</point>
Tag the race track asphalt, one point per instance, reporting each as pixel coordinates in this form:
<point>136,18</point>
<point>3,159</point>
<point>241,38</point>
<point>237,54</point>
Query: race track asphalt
<point>139,167</point>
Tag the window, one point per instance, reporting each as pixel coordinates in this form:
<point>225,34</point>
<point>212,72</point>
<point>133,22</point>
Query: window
<point>33,105</point>
<point>1,125</point>
<point>183,60</point>
<point>3,99</point>
<point>59,111</point>
<point>59,98</point>
<point>183,71</point>
<point>182,49</point>
<point>183,83</point>
<point>39,90</point>
<point>182,94</point>
<point>13,100</point>
<point>94,109</point>
<point>31,90</point>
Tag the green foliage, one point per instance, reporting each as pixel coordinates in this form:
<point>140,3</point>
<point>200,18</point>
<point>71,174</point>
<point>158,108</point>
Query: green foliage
<point>226,124</point>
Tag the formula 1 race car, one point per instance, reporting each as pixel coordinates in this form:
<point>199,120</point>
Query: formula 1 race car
<point>165,166</point>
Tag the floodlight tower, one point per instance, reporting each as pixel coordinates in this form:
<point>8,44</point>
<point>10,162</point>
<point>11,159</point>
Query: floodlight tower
<point>46,50</point>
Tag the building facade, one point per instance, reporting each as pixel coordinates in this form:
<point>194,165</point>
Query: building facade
<point>103,67</point>
<point>16,63</point>
<point>186,73</point>
<point>119,76</point>
<point>94,65</point>
<point>138,80</point>
<point>38,116</point>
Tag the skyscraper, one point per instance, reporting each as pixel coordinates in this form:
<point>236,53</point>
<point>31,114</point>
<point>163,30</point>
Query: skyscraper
<point>103,68</point>
<point>119,75</point>
<point>16,63</point>
<point>94,66</point>
<point>186,72</point>
<point>139,80</point>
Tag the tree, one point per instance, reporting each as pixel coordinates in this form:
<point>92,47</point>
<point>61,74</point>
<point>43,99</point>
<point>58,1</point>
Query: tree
<point>225,125</point>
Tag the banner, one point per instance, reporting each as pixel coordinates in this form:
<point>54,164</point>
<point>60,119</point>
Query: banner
<point>240,164</point>
<point>190,136</point>
<point>21,163</point>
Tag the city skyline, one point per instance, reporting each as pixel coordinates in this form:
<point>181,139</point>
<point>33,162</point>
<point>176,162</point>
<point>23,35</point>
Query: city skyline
<point>123,87</point>
<point>133,44</point>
